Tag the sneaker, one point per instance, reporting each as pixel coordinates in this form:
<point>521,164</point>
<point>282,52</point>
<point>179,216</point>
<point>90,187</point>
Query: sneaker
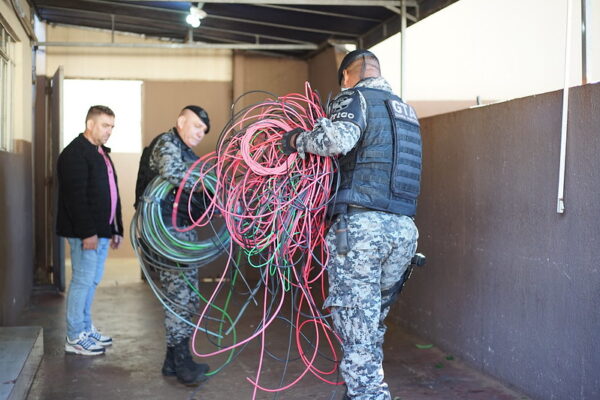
<point>101,339</point>
<point>83,345</point>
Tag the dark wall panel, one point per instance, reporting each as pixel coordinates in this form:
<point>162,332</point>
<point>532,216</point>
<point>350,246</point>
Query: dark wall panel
<point>16,232</point>
<point>512,286</point>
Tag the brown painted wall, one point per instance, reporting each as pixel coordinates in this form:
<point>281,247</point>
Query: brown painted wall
<point>163,100</point>
<point>511,286</point>
<point>322,71</point>
<point>161,103</point>
<point>16,231</point>
<point>279,76</point>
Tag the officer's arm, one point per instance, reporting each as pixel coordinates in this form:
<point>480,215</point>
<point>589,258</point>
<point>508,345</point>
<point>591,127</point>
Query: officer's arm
<point>339,133</point>
<point>167,160</point>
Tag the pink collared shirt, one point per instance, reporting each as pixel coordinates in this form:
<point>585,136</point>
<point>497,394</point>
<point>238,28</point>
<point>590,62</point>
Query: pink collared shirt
<point>112,184</point>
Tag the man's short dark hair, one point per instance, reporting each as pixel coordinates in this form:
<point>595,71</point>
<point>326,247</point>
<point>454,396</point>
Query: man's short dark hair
<point>351,57</point>
<point>98,110</point>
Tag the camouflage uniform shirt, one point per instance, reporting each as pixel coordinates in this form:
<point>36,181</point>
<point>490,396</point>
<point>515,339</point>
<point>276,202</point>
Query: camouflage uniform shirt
<point>333,138</point>
<point>171,158</point>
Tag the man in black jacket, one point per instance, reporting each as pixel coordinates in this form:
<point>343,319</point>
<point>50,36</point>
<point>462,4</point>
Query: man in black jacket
<point>89,217</point>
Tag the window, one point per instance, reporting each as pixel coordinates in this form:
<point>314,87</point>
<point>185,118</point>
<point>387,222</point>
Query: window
<point>6,88</point>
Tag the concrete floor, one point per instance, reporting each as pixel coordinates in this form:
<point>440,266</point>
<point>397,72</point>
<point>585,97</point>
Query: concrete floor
<point>126,309</point>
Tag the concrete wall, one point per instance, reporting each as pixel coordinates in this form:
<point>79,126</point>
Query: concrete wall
<point>131,63</point>
<point>16,182</point>
<point>511,286</point>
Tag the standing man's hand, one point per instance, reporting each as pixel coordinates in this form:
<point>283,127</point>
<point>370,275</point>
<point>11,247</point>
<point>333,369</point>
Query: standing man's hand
<point>90,243</point>
<point>115,242</point>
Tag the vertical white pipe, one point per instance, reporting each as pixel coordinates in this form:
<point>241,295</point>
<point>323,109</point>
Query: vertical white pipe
<point>403,51</point>
<point>560,206</point>
<point>585,6</point>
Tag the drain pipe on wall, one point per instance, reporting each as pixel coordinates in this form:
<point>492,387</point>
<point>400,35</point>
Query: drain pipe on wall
<point>585,6</point>
<point>403,51</point>
<point>560,206</point>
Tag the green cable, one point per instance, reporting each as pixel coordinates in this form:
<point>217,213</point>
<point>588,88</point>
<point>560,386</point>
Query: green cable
<point>224,314</point>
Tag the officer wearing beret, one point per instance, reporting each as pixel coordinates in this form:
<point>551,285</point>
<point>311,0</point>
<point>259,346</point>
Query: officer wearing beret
<point>169,156</point>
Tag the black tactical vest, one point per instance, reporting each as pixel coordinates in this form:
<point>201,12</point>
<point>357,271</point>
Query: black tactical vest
<point>145,173</point>
<point>383,171</point>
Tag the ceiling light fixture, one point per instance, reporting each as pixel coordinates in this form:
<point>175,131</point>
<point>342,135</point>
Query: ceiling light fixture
<point>196,14</point>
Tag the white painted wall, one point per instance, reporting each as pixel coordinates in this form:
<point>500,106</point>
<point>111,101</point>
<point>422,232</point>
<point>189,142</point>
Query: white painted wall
<point>495,49</point>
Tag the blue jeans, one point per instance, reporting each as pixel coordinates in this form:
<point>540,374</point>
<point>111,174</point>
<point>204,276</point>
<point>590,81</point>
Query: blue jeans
<point>88,268</point>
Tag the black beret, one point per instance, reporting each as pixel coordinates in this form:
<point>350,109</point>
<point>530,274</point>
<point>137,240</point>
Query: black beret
<point>201,113</point>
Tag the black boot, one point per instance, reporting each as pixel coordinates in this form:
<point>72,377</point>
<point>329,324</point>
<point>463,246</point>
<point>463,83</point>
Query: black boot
<point>186,369</point>
<point>168,368</point>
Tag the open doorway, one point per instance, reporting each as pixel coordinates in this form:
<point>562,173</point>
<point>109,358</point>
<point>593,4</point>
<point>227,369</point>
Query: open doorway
<point>123,97</point>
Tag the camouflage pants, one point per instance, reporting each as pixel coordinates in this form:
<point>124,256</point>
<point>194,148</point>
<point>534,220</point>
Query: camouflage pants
<point>381,247</point>
<point>181,298</point>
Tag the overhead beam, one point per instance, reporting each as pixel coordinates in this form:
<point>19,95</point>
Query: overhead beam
<point>123,4</point>
<point>283,26</point>
<point>126,20</point>
<point>216,16</point>
<point>398,11</point>
<point>369,3</point>
<point>429,7</point>
<point>388,27</point>
<point>317,12</point>
<point>194,45</point>
<point>261,36</point>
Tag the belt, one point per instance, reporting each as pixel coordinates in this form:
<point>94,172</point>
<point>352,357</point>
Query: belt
<point>352,210</point>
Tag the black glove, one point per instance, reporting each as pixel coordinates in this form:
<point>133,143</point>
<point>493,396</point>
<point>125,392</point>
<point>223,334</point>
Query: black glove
<point>288,140</point>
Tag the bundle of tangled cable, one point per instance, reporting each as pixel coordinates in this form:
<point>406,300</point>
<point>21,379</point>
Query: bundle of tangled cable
<point>155,233</point>
<point>274,206</point>
<point>160,248</point>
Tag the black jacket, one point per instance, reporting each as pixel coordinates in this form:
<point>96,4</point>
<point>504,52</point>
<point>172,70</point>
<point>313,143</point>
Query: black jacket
<point>84,192</point>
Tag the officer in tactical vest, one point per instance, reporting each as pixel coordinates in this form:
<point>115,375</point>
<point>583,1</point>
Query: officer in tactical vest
<point>170,155</point>
<point>373,238</point>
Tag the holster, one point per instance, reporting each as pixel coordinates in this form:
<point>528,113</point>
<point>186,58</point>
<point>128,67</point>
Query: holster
<point>341,235</point>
